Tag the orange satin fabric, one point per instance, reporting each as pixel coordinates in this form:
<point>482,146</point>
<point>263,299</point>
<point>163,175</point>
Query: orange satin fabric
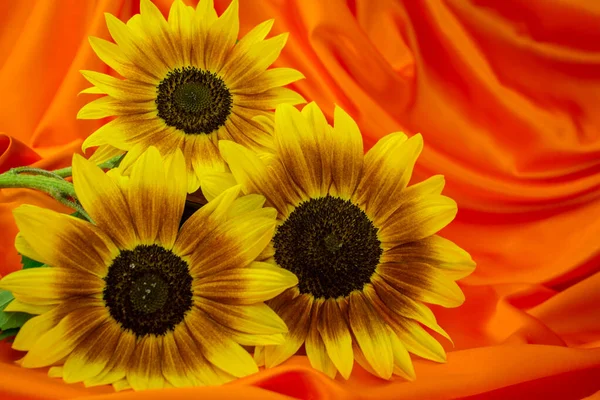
<point>506,95</point>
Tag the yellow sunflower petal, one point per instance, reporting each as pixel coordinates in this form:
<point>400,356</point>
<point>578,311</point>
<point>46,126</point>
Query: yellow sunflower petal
<point>267,121</point>
<point>402,362</point>
<point>55,372</point>
<point>105,153</point>
<point>371,335</point>
<point>156,196</point>
<point>414,338</point>
<point>315,348</point>
<point>107,106</point>
<point>116,368</point>
<point>114,57</point>
<point>60,341</point>
<point>347,156</point>
<point>173,365</point>
<point>248,133</point>
<point>35,327</point>
<point>204,221</point>
<point>255,319</point>
<point>144,369</point>
<point>180,21</point>
<point>269,79</point>
<point>135,50</point>
<point>403,305</point>
<point>239,53</point>
<point>176,189</point>
<point>419,342</point>
<point>436,251</point>
<point>246,204</point>
<point>121,385</point>
<point>91,90</point>
<point>111,133</point>
<point>215,183</point>
<point>269,99</point>
<point>295,310</point>
<point>120,89</point>
<point>259,356</point>
<point>254,175</point>
<point>126,164</point>
<point>205,13</point>
<point>388,167</point>
<point>422,282</point>
<point>253,339</point>
<point>240,50</point>
<point>324,141</point>
<point>104,202</point>
<point>293,137</point>
<point>402,200</point>
<point>359,357</point>
<point>403,365</point>
<point>90,251</point>
<point>204,155</point>
<point>256,58</point>
<point>93,353</point>
<point>157,31</point>
<point>254,284</point>
<point>222,35</point>
<point>220,350</point>
<point>24,248</point>
<point>198,368</point>
<point>147,196</point>
<point>336,336</point>
<point>256,34</point>
<point>47,286</point>
<point>35,309</point>
<point>234,244</point>
<point>417,220</point>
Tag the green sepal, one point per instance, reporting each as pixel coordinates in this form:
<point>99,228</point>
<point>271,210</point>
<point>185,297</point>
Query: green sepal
<point>10,322</point>
<point>79,215</point>
<point>13,320</point>
<point>9,333</point>
<point>29,262</point>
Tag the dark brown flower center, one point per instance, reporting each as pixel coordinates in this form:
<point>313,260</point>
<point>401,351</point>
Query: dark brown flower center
<point>149,293</point>
<point>330,244</point>
<point>148,290</point>
<point>193,100</point>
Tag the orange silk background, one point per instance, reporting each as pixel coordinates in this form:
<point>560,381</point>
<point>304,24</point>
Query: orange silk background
<point>507,97</point>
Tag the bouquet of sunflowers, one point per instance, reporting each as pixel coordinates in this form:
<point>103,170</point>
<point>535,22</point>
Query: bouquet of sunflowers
<point>221,225</point>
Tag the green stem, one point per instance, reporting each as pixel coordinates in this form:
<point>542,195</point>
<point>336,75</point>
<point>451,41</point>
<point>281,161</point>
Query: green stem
<point>51,182</point>
<point>60,189</point>
<point>34,171</point>
<point>108,164</point>
<point>64,172</point>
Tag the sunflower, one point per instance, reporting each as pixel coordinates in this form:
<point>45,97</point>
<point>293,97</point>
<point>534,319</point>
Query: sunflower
<point>360,240</point>
<point>188,82</point>
<point>135,301</point>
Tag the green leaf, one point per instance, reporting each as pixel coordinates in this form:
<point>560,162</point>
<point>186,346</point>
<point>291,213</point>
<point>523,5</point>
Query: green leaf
<point>8,333</point>
<point>10,320</point>
<point>5,298</point>
<point>30,263</point>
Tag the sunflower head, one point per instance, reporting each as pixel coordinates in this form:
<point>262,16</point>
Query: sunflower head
<point>187,82</point>
<point>361,241</point>
<point>135,300</point>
